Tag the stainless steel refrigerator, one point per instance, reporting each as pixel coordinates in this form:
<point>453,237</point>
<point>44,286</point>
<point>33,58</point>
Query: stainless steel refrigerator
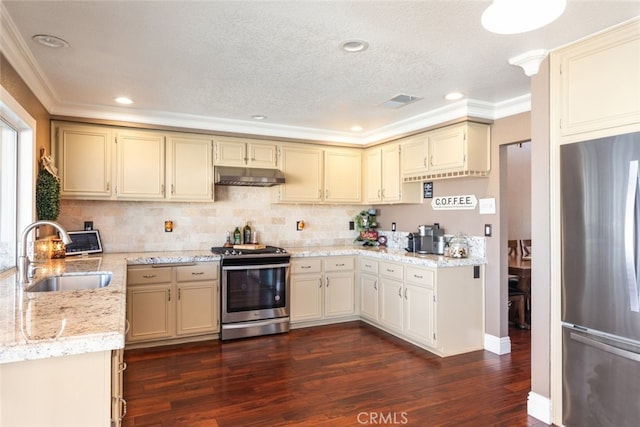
<point>600,292</point>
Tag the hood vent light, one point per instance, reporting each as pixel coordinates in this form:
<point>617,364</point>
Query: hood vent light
<point>248,177</point>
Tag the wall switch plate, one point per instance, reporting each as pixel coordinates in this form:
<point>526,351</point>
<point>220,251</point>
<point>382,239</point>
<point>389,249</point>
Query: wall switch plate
<point>168,226</point>
<point>476,271</point>
<point>393,226</point>
<point>487,230</point>
<point>352,225</point>
<point>299,225</point>
<point>88,225</point>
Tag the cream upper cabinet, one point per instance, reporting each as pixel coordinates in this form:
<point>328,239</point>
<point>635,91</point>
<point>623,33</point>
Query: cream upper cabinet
<point>302,168</point>
<point>415,155</point>
<point>317,175</point>
<point>242,152</point>
<point>383,174</point>
<point>189,168</point>
<point>111,163</point>
<point>84,157</point>
<point>596,85</point>
<point>140,165</point>
<point>343,175</point>
<point>462,149</point>
<point>382,177</point>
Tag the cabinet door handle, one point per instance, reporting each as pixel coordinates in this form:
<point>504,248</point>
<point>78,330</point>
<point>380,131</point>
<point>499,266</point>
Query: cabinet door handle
<point>320,282</point>
<point>173,190</point>
<point>425,161</point>
<point>122,367</point>
<point>108,186</point>
<point>327,282</point>
<point>375,285</point>
<point>405,293</point>
<point>431,160</point>
<point>400,292</point>
<point>178,293</point>
<point>124,407</point>
<point>379,193</point>
<point>169,294</point>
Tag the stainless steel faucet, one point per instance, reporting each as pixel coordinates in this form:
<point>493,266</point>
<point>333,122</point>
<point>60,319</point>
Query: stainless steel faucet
<point>23,259</point>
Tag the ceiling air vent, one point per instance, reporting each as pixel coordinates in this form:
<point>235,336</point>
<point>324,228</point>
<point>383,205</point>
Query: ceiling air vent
<point>400,101</point>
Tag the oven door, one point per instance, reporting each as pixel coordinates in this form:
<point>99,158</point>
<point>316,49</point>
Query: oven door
<point>255,292</point>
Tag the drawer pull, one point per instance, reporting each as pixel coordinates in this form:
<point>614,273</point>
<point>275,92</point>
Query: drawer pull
<point>417,277</point>
<point>148,276</point>
<point>340,265</point>
<point>305,266</point>
<point>390,271</point>
<point>368,265</point>
<point>197,273</point>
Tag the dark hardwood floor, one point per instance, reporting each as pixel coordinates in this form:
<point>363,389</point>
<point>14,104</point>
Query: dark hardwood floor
<point>349,374</point>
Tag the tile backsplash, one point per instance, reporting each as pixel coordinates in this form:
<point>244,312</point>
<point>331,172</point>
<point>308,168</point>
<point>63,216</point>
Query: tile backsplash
<point>139,226</point>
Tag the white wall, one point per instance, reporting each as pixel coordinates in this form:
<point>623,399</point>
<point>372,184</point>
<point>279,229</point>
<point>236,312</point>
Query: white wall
<point>519,190</point>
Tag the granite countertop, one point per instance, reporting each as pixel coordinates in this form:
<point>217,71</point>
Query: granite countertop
<point>52,324</point>
<point>398,255</point>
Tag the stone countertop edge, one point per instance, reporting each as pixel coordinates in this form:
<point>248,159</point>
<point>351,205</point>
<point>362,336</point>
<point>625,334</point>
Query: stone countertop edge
<point>53,324</point>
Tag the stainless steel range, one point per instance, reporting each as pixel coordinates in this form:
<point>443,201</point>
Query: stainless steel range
<point>255,291</point>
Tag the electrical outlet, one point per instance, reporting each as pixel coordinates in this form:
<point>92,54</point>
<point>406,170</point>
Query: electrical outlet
<point>299,225</point>
<point>352,225</point>
<point>393,226</point>
<point>487,230</point>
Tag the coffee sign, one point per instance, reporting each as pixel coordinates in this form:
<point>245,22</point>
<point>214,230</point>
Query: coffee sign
<point>467,201</point>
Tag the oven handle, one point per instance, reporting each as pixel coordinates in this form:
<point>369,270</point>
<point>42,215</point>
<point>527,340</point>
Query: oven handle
<point>254,323</point>
<point>253,267</point>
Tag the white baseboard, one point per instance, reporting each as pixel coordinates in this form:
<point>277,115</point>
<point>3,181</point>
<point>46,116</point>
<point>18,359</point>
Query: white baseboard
<point>497,345</point>
<point>539,407</point>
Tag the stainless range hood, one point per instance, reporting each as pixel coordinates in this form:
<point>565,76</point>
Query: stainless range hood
<point>248,177</point>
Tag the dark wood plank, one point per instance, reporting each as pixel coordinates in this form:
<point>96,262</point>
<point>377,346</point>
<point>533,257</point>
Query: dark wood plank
<point>349,374</point>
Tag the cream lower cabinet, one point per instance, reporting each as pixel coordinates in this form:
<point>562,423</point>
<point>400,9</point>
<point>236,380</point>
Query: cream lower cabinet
<point>439,309</point>
<point>66,391</point>
<point>322,288</point>
<point>172,302</point>
<point>368,279</point>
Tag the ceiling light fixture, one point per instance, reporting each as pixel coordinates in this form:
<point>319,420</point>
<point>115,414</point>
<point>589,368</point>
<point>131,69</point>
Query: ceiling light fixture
<point>50,41</point>
<point>258,117</point>
<point>123,100</point>
<point>520,16</point>
<point>354,46</point>
<point>356,128</point>
<point>453,96</point>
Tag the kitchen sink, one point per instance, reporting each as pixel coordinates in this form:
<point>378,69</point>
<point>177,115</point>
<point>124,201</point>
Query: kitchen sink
<point>71,282</point>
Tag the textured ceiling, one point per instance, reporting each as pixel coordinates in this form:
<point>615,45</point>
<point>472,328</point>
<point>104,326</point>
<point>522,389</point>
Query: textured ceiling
<point>214,64</point>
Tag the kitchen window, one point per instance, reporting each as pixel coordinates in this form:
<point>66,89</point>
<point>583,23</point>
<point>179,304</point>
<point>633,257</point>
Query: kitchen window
<point>17,154</point>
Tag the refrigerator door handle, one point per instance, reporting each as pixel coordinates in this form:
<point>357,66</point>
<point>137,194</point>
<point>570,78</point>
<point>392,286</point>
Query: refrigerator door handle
<point>605,347</point>
<point>630,236</point>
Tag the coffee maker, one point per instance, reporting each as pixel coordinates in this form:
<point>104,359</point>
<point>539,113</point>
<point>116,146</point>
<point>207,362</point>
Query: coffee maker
<point>428,240</point>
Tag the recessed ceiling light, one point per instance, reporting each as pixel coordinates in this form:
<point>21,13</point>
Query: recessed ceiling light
<point>123,100</point>
<point>453,96</point>
<point>513,17</point>
<point>356,128</point>
<point>354,46</point>
<point>258,117</point>
<point>50,41</point>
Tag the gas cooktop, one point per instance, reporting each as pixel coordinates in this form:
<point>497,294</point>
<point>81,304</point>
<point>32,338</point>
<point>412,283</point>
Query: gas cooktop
<point>233,252</point>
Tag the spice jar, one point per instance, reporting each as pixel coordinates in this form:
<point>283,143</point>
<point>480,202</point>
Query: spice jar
<point>458,246</point>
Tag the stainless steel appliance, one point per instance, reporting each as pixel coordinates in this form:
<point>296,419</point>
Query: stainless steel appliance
<point>255,292</point>
<point>428,240</point>
<point>600,298</point>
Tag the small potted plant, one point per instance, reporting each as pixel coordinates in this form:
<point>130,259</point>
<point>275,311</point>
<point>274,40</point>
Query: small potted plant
<point>366,224</point>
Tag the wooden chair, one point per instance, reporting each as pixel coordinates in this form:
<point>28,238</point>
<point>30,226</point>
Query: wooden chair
<point>517,304</point>
<point>525,248</point>
<point>512,245</point>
